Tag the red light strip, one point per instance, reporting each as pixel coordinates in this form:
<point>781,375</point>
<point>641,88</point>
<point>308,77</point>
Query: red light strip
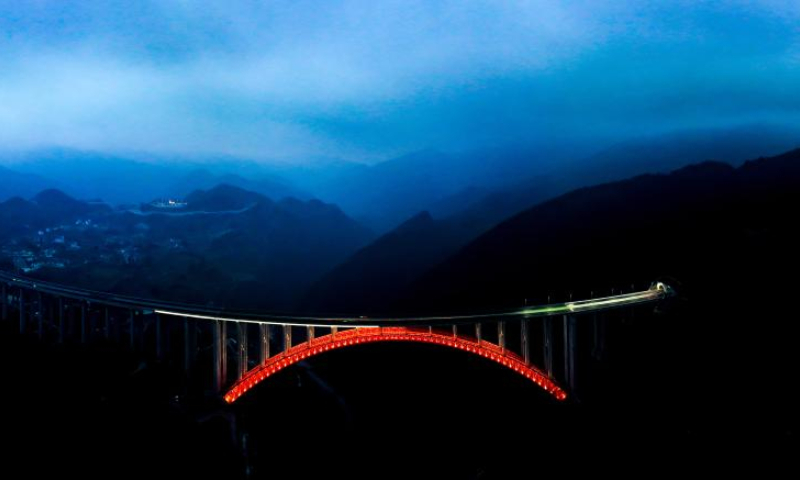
<point>390,334</point>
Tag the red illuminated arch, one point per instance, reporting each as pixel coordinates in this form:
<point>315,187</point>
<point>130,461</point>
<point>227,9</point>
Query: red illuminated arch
<point>390,334</point>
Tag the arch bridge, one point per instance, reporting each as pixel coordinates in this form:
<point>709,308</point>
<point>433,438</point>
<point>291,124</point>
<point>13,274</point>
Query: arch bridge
<point>231,352</point>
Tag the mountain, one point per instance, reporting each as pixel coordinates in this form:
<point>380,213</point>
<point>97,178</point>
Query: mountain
<point>17,184</point>
<point>48,208</point>
<point>262,182</point>
<point>652,154</point>
<point>221,198</point>
<point>388,266</point>
<point>229,247</point>
<point>119,179</point>
<point>386,194</point>
<point>384,268</point>
<point>57,205</point>
<point>18,216</point>
<point>699,215</point>
<point>722,236</point>
<point>666,152</point>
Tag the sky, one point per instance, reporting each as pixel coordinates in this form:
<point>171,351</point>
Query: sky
<point>364,80</point>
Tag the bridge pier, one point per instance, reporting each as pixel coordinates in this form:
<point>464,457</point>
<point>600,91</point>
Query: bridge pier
<point>241,358</point>
<point>132,329</point>
<point>5,301</point>
<point>310,333</point>
<point>501,334</point>
<point>263,344</point>
<point>287,337</point>
<point>61,323</point>
<point>478,332</point>
<point>526,348</point>
<point>547,337</point>
<point>570,341</point>
<point>159,340</point>
<point>598,337</point>
<point>83,322</point>
<point>39,315</point>
<point>21,311</point>
<point>106,324</point>
<point>188,345</point>
<point>220,357</point>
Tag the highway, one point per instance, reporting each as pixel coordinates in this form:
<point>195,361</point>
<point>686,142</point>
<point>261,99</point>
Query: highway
<point>657,292</point>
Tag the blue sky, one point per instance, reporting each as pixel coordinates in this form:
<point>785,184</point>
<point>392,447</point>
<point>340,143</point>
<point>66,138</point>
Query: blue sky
<point>367,80</point>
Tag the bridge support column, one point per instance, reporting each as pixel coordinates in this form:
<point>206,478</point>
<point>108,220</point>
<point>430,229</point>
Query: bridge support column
<point>39,315</point>
<point>106,324</point>
<point>478,332</point>
<point>310,332</point>
<point>61,323</point>
<point>159,346</point>
<point>188,345</point>
<point>526,348</point>
<point>21,311</point>
<point>83,322</point>
<point>241,358</point>
<point>263,344</point>
<point>287,337</point>
<point>132,329</point>
<point>220,355</point>
<point>334,331</point>
<point>5,301</point>
<point>455,331</point>
<point>501,334</point>
<point>598,336</point>
<point>547,336</point>
<point>570,341</point>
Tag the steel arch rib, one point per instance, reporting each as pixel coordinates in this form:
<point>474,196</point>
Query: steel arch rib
<point>364,335</point>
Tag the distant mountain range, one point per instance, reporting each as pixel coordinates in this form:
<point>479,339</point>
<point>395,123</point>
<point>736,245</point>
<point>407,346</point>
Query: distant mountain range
<point>242,250</point>
<point>17,184</point>
<point>129,180</point>
<point>495,181</point>
<point>709,225</point>
<point>724,237</point>
<point>386,267</point>
<point>49,207</point>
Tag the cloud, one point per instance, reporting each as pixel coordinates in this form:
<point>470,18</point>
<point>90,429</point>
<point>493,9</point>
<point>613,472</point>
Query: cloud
<point>365,79</point>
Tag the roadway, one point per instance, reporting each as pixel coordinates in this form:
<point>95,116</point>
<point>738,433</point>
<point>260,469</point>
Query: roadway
<point>657,292</point>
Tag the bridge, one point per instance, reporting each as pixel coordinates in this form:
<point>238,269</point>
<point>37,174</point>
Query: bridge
<point>540,343</point>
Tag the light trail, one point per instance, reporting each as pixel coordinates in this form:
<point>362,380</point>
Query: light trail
<point>657,292</point>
